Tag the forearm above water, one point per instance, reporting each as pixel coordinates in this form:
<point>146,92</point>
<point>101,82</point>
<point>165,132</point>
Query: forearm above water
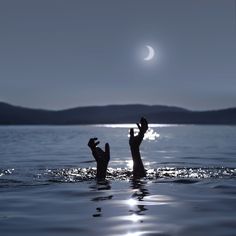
<point>138,168</point>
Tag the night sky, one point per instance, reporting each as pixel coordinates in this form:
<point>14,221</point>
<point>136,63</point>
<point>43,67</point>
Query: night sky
<point>58,54</point>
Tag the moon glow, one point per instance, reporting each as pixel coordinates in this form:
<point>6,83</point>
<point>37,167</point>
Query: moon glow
<point>151,53</point>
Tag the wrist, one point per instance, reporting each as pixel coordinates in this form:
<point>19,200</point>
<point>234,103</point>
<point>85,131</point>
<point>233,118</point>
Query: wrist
<point>134,148</point>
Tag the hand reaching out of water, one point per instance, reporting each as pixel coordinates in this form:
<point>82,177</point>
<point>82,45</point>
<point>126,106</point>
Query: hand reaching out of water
<point>102,157</point>
<point>98,153</point>
<point>135,141</point>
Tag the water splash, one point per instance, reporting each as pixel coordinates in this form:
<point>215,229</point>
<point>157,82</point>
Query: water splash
<point>85,174</point>
<point>6,172</point>
<point>150,135</point>
<point>11,178</point>
<point>192,173</point>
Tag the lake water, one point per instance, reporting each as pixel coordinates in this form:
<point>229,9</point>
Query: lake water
<point>47,184</point>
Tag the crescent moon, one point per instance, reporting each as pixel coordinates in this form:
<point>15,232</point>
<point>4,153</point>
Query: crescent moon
<point>151,53</point>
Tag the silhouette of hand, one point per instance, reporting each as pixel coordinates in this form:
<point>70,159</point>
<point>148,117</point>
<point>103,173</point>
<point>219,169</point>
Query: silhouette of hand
<point>135,141</point>
<point>98,153</point>
<point>102,157</point>
<point>93,144</point>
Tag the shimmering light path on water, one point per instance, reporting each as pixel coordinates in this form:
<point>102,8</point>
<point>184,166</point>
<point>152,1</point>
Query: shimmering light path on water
<point>47,184</point>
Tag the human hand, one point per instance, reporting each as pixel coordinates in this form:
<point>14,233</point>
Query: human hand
<point>92,143</point>
<point>135,141</point>
<point>99,155</point>
<point>143,126</point>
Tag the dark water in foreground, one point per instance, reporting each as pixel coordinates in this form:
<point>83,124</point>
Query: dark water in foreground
<point>47,184</point>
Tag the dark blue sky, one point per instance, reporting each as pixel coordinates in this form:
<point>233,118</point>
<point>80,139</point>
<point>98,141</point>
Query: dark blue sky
<point>59,54</point>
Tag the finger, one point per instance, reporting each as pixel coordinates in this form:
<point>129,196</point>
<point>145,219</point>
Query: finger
<point>131,132</point>
<point>90,142</point>
<point>95,144</point>
<point>139,127</point>
<point>144,123</point>
<point>92,139</point>
<point>107,150</point>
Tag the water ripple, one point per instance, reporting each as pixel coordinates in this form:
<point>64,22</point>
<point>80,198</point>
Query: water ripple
<point>6,172</point>
<point>9,177</point>
<point>85,174</point>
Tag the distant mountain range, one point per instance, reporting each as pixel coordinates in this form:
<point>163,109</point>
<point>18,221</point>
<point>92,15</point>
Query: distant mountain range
<point>113,114</point>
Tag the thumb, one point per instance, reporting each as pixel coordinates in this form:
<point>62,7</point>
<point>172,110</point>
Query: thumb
<point>107,150</point>
<point>131,132</point>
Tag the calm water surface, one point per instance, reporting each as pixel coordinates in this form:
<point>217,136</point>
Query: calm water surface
<point>47,184</point>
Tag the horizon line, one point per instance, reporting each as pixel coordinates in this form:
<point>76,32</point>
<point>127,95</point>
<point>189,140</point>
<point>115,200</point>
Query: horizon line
<point>118,104</point>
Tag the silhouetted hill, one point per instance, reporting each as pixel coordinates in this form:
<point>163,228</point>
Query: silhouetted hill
<point>10,114</point>
<point>15,115</point>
